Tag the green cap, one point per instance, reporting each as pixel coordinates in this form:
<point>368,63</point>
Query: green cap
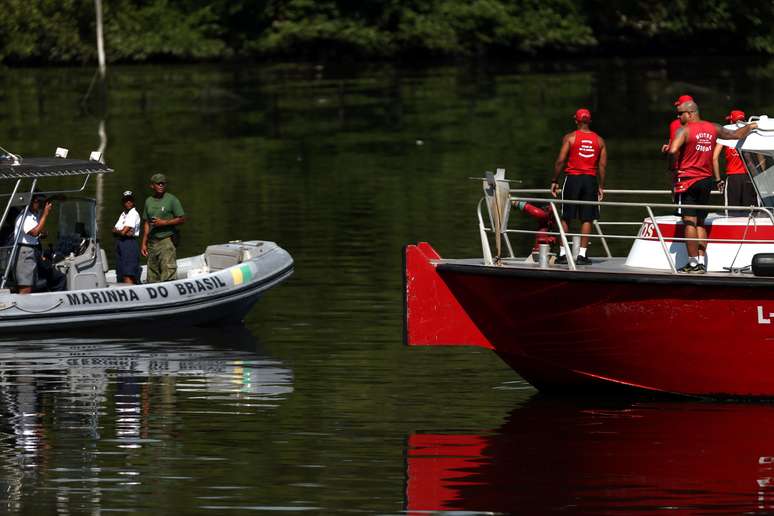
<point>158,178</point>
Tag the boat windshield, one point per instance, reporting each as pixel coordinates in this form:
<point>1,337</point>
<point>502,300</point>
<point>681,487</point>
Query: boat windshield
<point>75,220</point>
<point>760,164</point>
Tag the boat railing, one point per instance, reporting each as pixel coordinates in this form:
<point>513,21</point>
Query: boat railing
<point>515,196</point>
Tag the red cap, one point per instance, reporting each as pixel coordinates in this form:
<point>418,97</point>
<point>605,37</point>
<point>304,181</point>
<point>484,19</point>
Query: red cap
<point>735,116</point>
<point>583,115</point>
<point>683,99</point>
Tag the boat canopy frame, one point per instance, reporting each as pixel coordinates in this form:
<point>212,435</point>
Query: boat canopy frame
<point>13,167</point>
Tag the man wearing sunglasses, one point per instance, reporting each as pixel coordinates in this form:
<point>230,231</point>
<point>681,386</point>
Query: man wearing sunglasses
<point>692,150</point>
<point>677,123</point>
<point>162,214</point>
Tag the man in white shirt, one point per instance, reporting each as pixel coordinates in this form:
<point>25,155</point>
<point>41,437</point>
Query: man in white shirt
<point>127,231</point>
<point>28,229</point>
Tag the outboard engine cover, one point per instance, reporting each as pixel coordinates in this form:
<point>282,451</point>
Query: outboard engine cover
<point>763,264</point>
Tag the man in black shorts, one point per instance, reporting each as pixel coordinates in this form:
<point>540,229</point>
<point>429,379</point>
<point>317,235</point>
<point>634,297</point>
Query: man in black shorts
<point>583,158</point>
<point>692,149</point>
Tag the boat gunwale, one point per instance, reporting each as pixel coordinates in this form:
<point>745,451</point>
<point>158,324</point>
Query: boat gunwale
<point>658,278</point>
<point>234,293</point>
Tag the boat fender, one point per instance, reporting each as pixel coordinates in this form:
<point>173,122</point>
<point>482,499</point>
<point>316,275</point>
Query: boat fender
<point>763,264</point>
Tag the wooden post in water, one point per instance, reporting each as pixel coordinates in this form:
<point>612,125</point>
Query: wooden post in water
<point>100,39</point>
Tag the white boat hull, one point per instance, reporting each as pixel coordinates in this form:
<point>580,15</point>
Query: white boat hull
<point>198,297</point>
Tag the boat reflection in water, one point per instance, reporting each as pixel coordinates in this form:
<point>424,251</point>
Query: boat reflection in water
<point>109,396</point>
<point>598,458</point>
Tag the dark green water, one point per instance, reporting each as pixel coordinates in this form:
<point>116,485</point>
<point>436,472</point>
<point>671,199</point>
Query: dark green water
<point>316,405</point>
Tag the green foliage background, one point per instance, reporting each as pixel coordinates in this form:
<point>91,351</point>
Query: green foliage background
<point>62,31</point>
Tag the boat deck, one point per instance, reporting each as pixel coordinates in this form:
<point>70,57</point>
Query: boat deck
<point>602,269</point>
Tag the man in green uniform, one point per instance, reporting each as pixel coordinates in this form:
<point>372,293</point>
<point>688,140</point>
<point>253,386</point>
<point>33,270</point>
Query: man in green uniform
<point>161,215</point>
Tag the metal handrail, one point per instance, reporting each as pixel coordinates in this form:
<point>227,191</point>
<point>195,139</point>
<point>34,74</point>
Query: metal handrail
<point>611,192</point>
<point>636,237</point>
<point>661,240</point>
<point>567,250</point>
<point>626,192</point>
<point>552,202</point>
<point>645,205</point>
<point>602,238</point>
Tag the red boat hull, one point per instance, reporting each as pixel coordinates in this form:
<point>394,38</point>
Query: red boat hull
<point>565,330</point>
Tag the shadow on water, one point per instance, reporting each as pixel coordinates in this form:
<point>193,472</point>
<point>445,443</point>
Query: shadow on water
<point>597,456</point>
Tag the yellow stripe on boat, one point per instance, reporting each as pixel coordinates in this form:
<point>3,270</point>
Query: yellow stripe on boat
<point>241,274</point>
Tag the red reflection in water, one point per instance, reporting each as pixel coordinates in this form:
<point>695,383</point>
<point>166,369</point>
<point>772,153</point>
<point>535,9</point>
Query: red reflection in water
<point>577,457</point>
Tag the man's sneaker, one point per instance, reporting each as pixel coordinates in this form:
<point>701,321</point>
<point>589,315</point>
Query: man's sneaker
<point>691,268</point>
<point>701,269</point>
<point>561,260</point>
<point>582,260</point>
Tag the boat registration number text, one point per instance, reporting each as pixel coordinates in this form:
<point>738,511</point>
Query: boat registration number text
<point>764,318</point>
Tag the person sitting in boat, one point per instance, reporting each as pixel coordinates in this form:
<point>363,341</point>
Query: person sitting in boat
<point>162,214</point>
<point>127,231</point>
<point>583,157</point>
<point>693,149</point>
<point>30,227</point>
<point>739,188</point>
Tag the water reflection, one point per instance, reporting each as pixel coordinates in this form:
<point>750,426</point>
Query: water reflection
<point>598,457</point>
<point>112,397</point>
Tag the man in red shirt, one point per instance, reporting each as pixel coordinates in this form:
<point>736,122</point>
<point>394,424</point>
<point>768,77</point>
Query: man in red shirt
<point>677,123</point>
<point>692,149</point>
<point>585,155</point>
<point>739,188</point>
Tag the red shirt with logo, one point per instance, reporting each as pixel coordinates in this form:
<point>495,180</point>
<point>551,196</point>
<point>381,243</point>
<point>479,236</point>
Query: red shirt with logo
<point>695,161</point>
<point>584,154</point>
<point>734,163</point>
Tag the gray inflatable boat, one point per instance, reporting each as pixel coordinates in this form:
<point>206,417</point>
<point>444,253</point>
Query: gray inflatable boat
<point>218,286</point>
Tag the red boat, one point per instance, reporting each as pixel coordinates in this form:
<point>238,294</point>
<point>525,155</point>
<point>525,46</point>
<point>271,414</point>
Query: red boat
<point>630,322</point>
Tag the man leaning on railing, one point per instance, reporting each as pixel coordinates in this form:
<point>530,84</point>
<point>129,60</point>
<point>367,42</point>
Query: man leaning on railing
<point>692,150</point>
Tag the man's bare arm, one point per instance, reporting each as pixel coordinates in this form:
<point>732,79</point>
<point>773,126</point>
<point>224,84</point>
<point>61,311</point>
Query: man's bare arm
<point>562,157</point>
<point>674,147</point>
<point>716,161</point>
<point>678,142</point>
<point>602,163</point>
<point>740,132</point>
<point>559,164</point>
